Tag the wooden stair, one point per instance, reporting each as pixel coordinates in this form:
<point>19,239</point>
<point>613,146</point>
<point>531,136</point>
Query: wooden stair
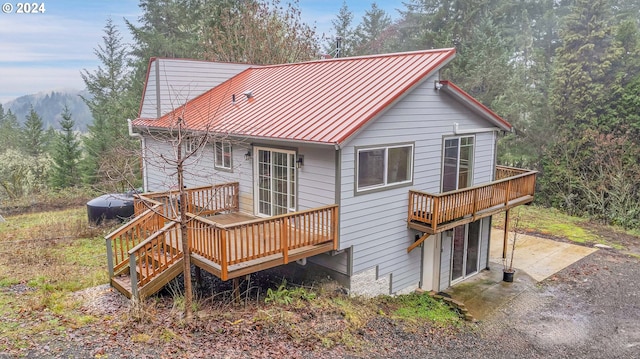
<point>122,282</point>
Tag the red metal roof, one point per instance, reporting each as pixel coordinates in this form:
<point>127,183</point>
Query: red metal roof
<point>323,101</point>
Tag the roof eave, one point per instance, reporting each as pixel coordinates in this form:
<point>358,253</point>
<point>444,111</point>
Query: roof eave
<point>411,86</point>
<point>475,105</point>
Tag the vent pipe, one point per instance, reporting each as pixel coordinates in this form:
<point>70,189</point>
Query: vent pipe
<point>338,44</point>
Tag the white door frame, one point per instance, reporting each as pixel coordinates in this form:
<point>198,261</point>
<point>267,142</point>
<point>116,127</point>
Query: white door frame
<point>464,255</point>
<point>291,177</point>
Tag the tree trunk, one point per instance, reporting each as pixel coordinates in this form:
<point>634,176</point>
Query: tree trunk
<point>186,253</point>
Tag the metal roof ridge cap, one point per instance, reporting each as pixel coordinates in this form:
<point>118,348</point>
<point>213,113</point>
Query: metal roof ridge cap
<point>206,61</point>
<point>342,59</point>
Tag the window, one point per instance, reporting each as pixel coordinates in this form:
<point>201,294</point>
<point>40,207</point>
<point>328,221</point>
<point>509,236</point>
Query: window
<point>191,144</point>
<point>384,166</point>
<point>222,155</point>
<point>458,160</point>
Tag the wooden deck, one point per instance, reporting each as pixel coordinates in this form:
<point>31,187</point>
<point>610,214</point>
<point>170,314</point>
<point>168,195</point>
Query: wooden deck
<point>146,253</point>
<point>434,213</point>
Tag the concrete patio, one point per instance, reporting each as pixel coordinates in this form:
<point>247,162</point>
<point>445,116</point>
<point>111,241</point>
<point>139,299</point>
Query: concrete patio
<point>535,259</point>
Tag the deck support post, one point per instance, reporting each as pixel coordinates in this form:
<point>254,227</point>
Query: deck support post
<point>110,257</point>
<point>198,276</point>
<point>506,234</point>
<point>133,274</point>
<point>236,290</point>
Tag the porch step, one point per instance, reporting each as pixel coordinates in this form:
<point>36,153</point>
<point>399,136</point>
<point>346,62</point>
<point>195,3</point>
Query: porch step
<point>122,282</point>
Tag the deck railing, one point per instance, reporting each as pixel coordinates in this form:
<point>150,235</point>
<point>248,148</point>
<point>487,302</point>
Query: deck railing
<point>129,235</point>
<point>153,255</point>
<point>436,209</point>
<point>205,200</point>
<point>228,245</point>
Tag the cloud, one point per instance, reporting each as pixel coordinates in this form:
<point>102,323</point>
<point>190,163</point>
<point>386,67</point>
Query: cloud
<point>30,39</point>
<point>19,81</point>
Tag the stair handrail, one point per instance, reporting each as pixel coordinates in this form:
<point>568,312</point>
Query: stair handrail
<point>113,262</point>
<point>136,254</point>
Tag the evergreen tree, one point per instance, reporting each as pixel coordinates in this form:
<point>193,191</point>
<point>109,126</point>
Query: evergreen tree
<point>111,103</point>
<point>33,134</point>
<point>343,28</point>
<point>9,131</point>
<point>369,33</point>
<point>584,78</point>
<point>587,127</point>
<point>66,154</point>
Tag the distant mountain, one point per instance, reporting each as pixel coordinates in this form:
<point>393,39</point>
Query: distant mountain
<point>49,106</point>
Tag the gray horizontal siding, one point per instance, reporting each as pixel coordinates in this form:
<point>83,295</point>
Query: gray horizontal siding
<point>316,179</point>
<point>199,170</point>
<point>375,223</point>
<point>182,80</point>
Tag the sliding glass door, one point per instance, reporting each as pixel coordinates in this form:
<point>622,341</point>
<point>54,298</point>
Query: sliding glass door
<point>276,181</point>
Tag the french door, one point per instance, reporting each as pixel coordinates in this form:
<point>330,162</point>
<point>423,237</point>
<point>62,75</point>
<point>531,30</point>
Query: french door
<point>465,252</point>
<point>275,181</point>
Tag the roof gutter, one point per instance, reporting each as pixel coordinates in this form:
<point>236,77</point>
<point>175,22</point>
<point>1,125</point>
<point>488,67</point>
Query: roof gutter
<point>457,131</point>
<point>144,153</point>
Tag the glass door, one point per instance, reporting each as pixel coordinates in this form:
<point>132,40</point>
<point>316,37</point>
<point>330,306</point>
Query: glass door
<point>276,181</point>
<point>465,252</point>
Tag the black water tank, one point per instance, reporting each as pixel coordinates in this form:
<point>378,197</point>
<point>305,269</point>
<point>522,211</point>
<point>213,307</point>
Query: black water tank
<point>118,206</point>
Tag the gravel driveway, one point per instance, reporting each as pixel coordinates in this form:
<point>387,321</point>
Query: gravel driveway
<point>590,309</point>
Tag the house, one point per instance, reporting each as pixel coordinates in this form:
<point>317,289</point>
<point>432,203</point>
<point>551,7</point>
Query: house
<point>372,167</point>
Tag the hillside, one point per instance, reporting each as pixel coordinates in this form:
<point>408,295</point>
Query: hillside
<point>49,106</point>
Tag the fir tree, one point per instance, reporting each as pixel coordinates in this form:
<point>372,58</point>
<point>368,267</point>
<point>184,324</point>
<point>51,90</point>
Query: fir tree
<point>111,104</point>
<point>369,33</point>
<point>66,154</point>
<point>343,28</point>
<point>33,134</point>
<point>9,130</point>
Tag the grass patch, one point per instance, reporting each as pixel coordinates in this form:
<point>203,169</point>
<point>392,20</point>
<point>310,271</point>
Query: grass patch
<point>550,221</point>
<point>417,307</point>
<point>44,258</point>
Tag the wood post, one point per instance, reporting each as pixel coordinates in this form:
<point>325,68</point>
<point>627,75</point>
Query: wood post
<point>110,257</point>
<point>236,290</point>
<point>223,265</point>
<point>506,234</point>
<point>435,214</point>
<point>198,276</point>
<point>284,239</point>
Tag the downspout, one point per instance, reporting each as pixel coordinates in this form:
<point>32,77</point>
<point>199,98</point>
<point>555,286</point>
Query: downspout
<point>144,153</point>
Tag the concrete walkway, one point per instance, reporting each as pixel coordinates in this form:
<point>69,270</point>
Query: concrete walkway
<point>535,259</point>
<point>538,257</point>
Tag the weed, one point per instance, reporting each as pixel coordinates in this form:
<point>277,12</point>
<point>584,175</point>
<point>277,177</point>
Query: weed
<point>167,335</point>
<point>414,307</point>
<point>286,296</point>
<point>141,338</point>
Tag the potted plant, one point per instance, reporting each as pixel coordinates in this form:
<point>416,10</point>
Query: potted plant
<point>507,263</point>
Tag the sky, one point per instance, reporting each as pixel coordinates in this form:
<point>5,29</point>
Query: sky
<point>45,51</point>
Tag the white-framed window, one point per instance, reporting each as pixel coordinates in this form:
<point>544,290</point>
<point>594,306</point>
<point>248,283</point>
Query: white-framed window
<point>222,154</point>
<point>191,144</point>
<point>457,171</point>
<point>383,166</point>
